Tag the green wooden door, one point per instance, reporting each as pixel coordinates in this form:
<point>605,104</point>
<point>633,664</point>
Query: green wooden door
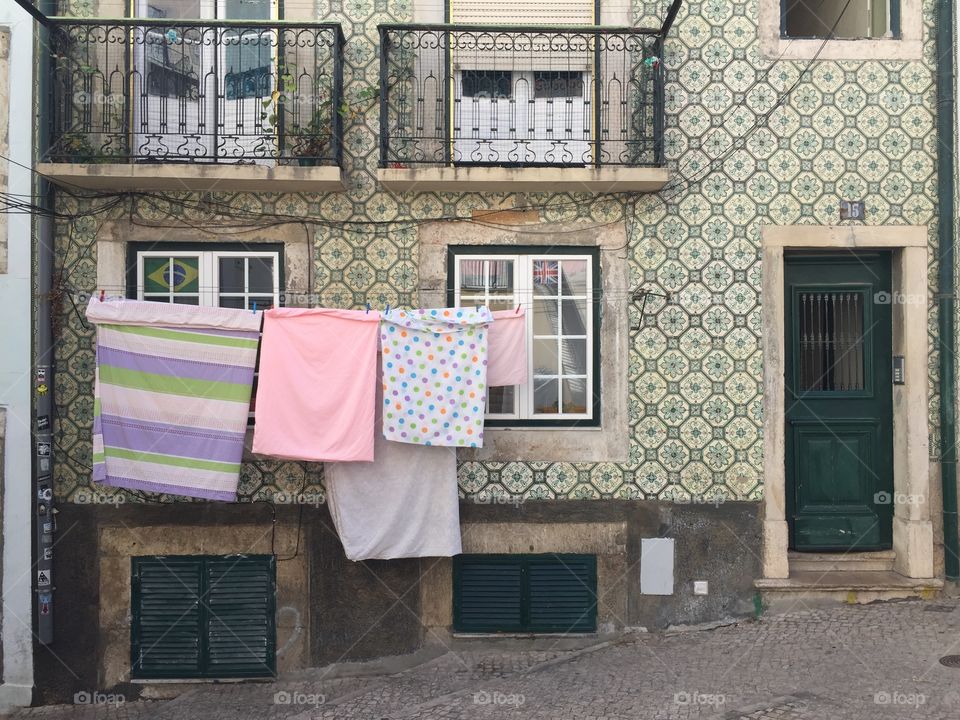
<point>839,399</point>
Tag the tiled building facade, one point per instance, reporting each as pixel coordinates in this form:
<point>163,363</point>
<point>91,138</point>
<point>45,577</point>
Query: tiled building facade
<point>759,133</point>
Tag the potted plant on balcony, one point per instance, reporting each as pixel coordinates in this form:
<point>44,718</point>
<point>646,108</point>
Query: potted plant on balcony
<point>309,143</point>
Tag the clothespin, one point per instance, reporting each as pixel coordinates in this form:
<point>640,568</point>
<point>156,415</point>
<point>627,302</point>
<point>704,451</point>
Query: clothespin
<point>518,309</point>
<point>388,307</point>
<point>254,311</point>
<point>368,308</point>
<point>102,294</point>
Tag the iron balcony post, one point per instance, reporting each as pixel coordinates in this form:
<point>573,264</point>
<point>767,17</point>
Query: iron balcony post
<point>597,94</point>
<point>336,117</point>
<point>384,96</point>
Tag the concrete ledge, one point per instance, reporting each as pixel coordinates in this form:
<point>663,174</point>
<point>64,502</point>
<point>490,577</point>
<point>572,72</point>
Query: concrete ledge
<point>539,179</point>
<point>194,177</point>
<point>806,580</point>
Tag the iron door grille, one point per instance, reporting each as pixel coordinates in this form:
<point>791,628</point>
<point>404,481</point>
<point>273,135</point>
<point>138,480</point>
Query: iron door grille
<point>203,617</point>
<point>525,593</point>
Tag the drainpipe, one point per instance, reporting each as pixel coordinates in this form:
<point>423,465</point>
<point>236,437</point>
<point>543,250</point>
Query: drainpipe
<point>44,517</point>
<point>945,284</point>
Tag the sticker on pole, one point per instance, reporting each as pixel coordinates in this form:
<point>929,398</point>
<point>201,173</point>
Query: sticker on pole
<point>45,600</point>
<point>44,577</point>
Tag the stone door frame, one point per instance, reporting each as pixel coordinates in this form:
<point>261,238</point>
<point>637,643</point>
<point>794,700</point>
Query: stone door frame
<point>908,244</point>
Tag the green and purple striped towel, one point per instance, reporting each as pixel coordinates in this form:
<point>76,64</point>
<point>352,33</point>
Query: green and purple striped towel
<point>172,396</point>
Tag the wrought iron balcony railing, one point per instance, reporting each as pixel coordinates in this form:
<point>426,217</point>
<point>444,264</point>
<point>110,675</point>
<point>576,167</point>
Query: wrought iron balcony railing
<point>196,91</point>
<point>521,96</point>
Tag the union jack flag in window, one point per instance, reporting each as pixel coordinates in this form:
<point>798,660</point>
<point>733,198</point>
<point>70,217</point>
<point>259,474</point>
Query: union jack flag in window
<point>546,272</point>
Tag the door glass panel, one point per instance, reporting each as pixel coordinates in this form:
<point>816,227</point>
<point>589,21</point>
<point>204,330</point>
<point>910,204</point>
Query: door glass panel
<point>830,347</point>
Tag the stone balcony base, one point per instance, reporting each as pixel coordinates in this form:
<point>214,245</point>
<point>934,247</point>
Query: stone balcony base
<point>535,179</point>
<point>194,177</point>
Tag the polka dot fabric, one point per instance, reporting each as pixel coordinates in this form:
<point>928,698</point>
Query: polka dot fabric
<point>435,375</point>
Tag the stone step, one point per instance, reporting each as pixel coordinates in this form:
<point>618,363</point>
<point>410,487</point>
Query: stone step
<point>880,561</point>
<point>806,589</point>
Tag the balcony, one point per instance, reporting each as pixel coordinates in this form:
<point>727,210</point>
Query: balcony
<point>196,105</point>
<point>496,108</point>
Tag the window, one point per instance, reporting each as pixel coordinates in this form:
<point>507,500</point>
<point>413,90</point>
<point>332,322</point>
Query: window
<point>239,277</point>
<point>525,593</point>
<point>557,291</point>
<point>547,84</point>
<point>247,277</point>
<point>488,84</point>
<point>203,616</point>
<point>859,19</point>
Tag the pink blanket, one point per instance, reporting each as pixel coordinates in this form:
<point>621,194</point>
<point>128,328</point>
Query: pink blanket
<point>316,391</point>
<point>507,349</point>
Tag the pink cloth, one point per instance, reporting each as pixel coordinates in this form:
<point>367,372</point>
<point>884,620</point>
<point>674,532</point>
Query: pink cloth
<point>507,349</point>
<point>316,393</point>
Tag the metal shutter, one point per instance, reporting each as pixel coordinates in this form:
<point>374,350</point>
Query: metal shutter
<point>488,593</point>
<point>524,12</point>
<point>562,593</point>
<point>199,616</point>
<point>525,593</point>
<point>166,617</point>
<point>240,617</point>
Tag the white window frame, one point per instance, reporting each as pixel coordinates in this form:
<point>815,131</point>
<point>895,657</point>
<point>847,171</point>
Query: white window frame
<point>209,274</point>
<point>523,296</point>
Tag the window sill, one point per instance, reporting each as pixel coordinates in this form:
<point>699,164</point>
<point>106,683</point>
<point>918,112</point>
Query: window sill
<point>556,444</point>
<point>198,177</point>
<point>779,48</point>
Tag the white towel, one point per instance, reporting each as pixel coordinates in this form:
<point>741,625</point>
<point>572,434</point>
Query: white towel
<point>403,504</point>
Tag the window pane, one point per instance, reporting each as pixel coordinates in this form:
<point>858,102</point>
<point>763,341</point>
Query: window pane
<point>157,298</point>
<point>551,84</point>
<point>233,302</point>
<point>487,83</point>
<point>574,357</point>
<point>544,317</point>
<point>261,275</point>
<point>574,277</point>
<point>500,399</point>
<point>545,356</point>
<point>575,395</point>
<point>545,277</point>
<point>262,303</point>
<point>232,275</point>
<point>472,276</point>
<point>501,276</point>
<point>186,300</point>
<point>545,396</point>
<point>179,9</point>
<point>574,317</point>
<point>179,274</point>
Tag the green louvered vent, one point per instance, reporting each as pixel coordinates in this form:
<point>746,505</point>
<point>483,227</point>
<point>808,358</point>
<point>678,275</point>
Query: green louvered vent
<point>563,594</point>
<point>490,591</point>
<point>199,616</point>
<point>525,593</point>
<point>168,610</point>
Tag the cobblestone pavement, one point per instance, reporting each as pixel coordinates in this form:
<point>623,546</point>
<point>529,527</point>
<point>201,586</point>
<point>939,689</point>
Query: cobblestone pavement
<point>850,662</point>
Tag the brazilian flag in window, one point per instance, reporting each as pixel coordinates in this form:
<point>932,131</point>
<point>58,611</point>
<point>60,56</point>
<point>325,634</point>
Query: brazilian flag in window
<point>171,274</point>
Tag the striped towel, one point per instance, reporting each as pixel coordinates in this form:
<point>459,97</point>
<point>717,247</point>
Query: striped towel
<point>172,395</point>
